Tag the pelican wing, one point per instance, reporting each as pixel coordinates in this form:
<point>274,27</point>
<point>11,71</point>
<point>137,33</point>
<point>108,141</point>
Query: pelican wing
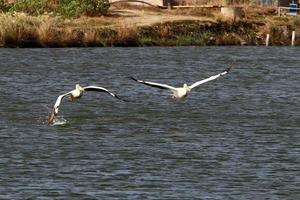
<point>101,89</point>
<point>157,85</point>
<point>55,108</point>
<point>210,78</point>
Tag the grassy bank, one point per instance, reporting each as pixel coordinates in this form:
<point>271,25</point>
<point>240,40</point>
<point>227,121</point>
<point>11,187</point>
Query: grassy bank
<point>22,30</point>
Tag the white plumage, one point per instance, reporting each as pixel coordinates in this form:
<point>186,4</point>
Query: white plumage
<point>75,94</point>
<point>181,92</point>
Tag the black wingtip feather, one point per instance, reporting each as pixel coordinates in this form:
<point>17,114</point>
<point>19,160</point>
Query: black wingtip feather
<point>125,100</point>
<point>133,78</point>
<point>229,69</point>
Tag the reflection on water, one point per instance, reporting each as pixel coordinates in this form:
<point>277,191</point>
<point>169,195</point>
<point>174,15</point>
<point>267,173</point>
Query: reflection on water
<point>233,138</point>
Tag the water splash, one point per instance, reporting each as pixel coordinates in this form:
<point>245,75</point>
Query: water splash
<point>59,121</point>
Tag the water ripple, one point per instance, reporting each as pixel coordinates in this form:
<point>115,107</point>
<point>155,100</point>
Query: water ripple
<point>234,138</point>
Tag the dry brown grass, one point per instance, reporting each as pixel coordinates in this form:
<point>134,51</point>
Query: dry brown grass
<point>258,12</point>
<point>46,32</point>
<point>126,35</point>
<point>91,36</point>
<point>165,32</point>
<point>88,22</point>
<point>127,6</point>
<point>201,12</point>
<point>17,29</point>
<point>123,28</point>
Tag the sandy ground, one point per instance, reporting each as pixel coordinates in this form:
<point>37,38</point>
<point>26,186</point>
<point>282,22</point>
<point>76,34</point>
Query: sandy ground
<point>144,18</point>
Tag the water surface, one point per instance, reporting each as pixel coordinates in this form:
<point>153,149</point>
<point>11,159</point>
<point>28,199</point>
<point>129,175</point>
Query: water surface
<point>233,138</point>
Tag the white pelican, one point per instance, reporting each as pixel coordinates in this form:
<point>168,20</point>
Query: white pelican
<point>76,94</point>
<point>181,92</point>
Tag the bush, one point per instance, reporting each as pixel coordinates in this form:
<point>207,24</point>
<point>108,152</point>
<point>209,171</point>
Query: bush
<point>70,8</point>
<point>76,8</point>
<point>66,8</point>
<point>296,22</point>
<point>31,7</point>
<point>96,7</point>
<point>4,7</point>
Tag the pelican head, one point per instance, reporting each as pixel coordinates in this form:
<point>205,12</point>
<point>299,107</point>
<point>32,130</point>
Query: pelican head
<point>78,87</point>
<point>186,87</point>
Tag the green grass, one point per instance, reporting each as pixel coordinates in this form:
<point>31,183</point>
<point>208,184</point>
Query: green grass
<point>64,8</point>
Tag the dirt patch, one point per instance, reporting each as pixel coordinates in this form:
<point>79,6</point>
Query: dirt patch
<point>130,18</point>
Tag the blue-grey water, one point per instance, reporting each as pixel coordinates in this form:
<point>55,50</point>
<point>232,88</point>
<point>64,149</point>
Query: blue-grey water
<point>237,137</point>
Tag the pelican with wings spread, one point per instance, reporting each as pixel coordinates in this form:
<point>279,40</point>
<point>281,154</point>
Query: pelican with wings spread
<point>181,92</point>
<point>75,94</point>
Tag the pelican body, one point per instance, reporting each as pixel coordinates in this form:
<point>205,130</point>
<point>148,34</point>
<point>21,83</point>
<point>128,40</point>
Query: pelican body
<point>181,92</point>
<point>75,94</point>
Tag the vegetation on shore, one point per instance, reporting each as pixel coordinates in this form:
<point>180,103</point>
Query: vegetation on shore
<point>65,8</point>
<point>79,29</point>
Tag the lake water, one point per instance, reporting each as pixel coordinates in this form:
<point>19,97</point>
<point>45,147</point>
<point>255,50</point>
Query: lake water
<point>237,137</point>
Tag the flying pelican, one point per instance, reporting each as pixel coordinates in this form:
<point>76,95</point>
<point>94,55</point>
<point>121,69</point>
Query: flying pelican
<point>181,92</point>
<point>76,94</point>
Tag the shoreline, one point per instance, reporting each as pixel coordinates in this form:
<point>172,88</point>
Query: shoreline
<point>21,30</point>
